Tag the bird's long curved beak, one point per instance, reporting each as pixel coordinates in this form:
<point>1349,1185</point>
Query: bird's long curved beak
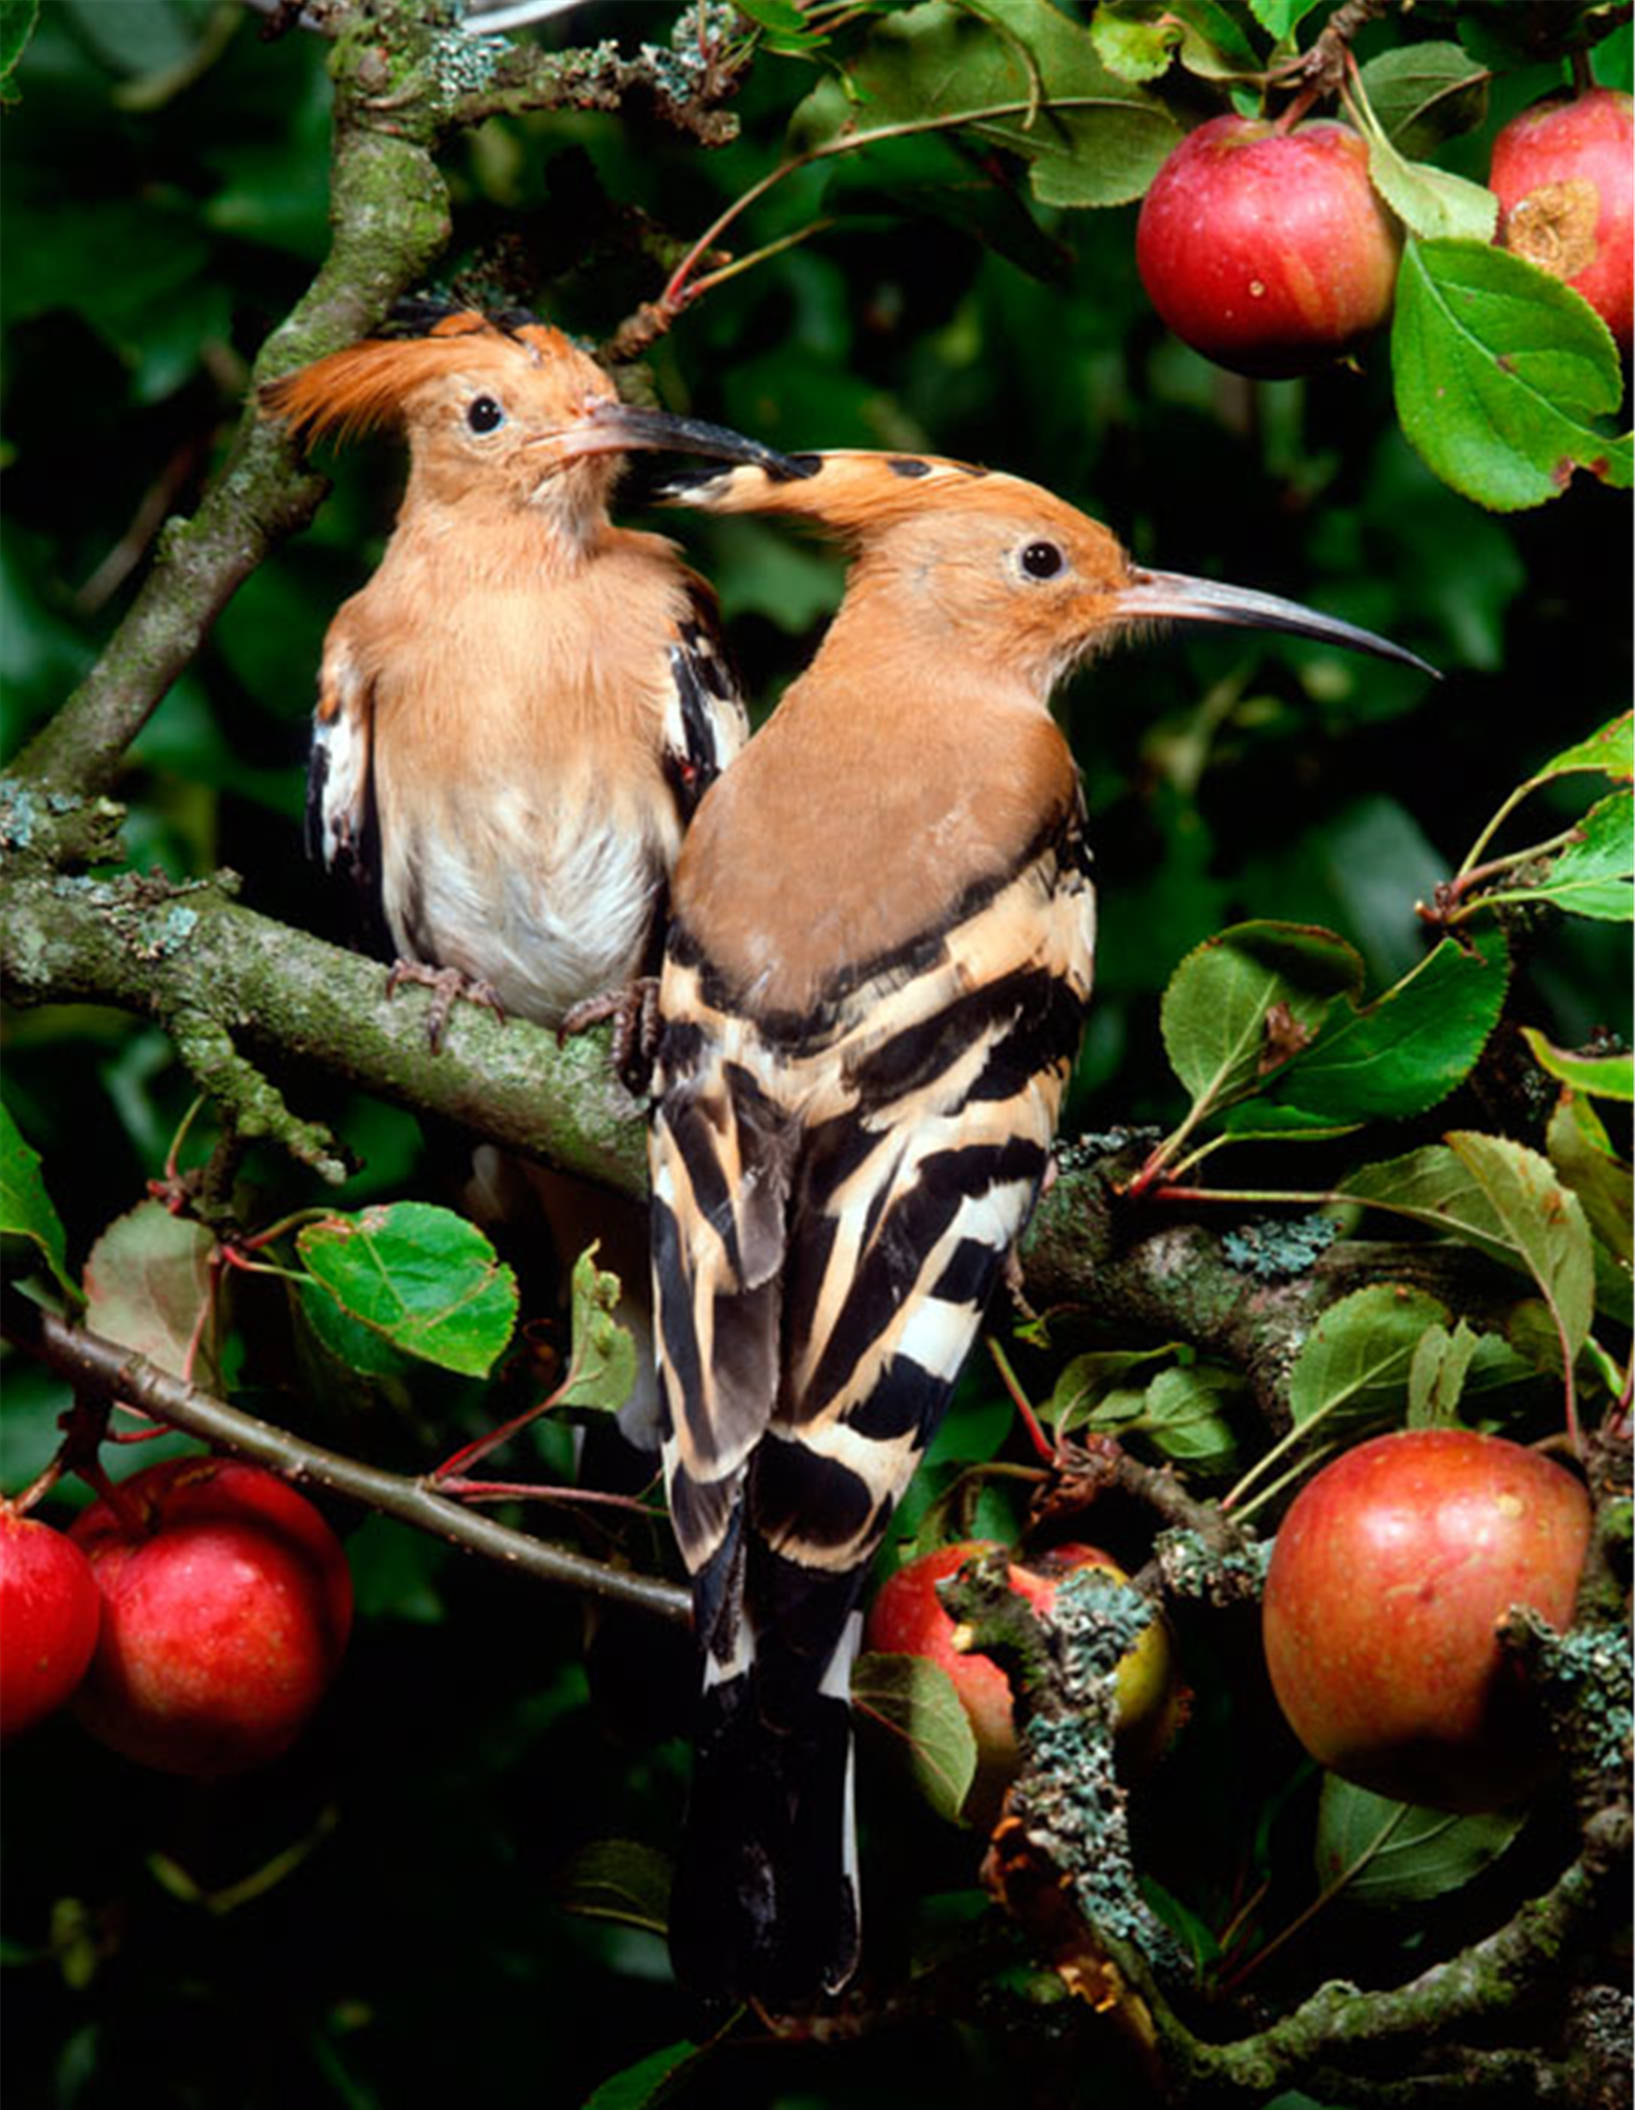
<point>609,427</point>
<point>1173,597</point>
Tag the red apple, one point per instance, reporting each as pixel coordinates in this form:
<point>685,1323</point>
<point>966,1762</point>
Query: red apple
<point>1268,251</point>
<point>226,1606</point>
<point>1390,1575</point>
<point>907,1618</point>
<point>49,1613</point>
<point>1564,172</point>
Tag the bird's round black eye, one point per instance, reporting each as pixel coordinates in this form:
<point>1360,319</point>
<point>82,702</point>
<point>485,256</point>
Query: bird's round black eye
<point>484,415</point>
<point>1042,560</point>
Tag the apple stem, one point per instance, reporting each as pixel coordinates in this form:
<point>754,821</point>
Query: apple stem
<point>1042,1444</point>
<point>1583,71</point>
<point>37,1489</point>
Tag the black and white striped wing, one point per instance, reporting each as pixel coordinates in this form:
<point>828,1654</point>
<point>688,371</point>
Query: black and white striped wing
<point>829,1220</point>
<point>342,821</point>
<point>706,723</point>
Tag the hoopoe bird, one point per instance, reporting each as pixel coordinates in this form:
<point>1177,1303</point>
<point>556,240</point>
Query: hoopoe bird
<point>519,712</point>
<point>879,959</point>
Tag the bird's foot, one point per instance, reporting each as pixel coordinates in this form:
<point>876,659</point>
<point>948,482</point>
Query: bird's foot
<point>634,1010</point>
<point>448,986</point>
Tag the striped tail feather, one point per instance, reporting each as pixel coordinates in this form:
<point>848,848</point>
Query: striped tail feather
<point>765,1902</point>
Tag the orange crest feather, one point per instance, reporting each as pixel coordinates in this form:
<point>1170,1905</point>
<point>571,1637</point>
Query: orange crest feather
<point>365,386</point>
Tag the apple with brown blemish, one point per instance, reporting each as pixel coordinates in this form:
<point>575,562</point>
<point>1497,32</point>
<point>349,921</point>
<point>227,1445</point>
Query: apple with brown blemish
<point>1564,173</point>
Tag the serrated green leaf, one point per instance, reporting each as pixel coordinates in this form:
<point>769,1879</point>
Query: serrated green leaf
<point>1388,1854</point>
<point>915,1702</point>
<point>1017,72</point>
<point>26,1209</point>
<point>1492,1195</point>
<point>1243,1002</point>
<point>1592,877</point>
<point>1137,47</point>
<point>1542,1220</point>
<point>1436,1375</point>
<point>1600,1076</point>
<point>1354,1367</point>
<point>1609,750</point>
<point>148,1286</point>
<point>426,1279</point>
<point>1500,372</point>
<point>649,2080</point>
<point>1583,1157</point>
<point>603,1366</point>
<point>1425,93</point>
<point>1395,1057</point>
<point>617,1879</point>
<point>1430,202</point>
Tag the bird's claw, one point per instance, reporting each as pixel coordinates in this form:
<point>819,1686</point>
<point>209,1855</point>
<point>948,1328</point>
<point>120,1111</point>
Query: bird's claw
<point>449,985</point>
<point>634,1010</point>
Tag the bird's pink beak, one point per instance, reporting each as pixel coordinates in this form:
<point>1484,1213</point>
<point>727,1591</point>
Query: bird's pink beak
<point>1170,596</point>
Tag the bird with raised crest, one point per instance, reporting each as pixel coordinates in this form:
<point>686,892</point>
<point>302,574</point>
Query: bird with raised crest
<point>879,959</point>
<point>520,711</point>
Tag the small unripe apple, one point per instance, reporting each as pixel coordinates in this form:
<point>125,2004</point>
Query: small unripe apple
<point>1390,1576</point>
<point>50,1610</point>
<point>1268,251</point>
<point>226,1607</point>
<point>907,1618</point>
<point>1564,173</point>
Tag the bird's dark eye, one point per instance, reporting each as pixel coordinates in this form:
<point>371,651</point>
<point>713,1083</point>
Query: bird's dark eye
<point>485,415</point>
<point>1042,560</point>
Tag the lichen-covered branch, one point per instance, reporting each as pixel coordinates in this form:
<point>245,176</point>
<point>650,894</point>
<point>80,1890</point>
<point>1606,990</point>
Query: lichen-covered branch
<point>96,1365</point>
<point>240,993</point>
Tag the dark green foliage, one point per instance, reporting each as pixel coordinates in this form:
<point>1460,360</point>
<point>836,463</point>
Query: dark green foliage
<point>379,1920</point>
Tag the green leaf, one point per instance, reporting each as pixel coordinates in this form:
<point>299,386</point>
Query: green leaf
<point>648,2081</point>
<point>1436,1375</point>
<point>1394,1853</point>
<point>1088,1379</point>
<point>1541,1220</point>
<point>1500,371</point>
<point>1397,1853</point>
<point>1430,202</point>
<point>602,1372</point>
<point>1281,17</point>
<point>1356,1361</point>
<point>26,1210</point>
<point>1583,1157</point>
<point>148,1285</point>
<point>1182,1415</point>
<point>1017,72</point>
<point>1610,751</point>
<point>617,1879</point>
<point>17,21</point>
<point>1592,877</point>
<point>1393,1058</point>
<point>916,1703</point>
<point>1601,1076</point>
<point>1242,1003</point>
<point>1137,47</point>
<point>423,1277</point>
<point>1425,93</point>
<point>1440,1187</point>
